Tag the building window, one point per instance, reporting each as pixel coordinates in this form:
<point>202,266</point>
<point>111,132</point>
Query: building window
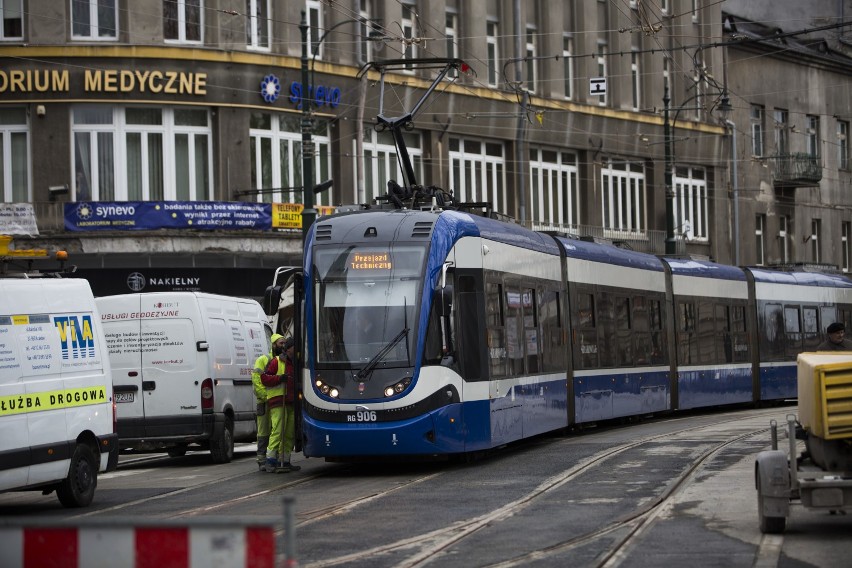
<point>691,202</point>
<point>381,163</point>
<point>623,196</point>
<point>493,52</point>
<point>635,79</point>
<point>13,22</point>
<point>555,192</point>
<point>757,130</point>
<point>842,144</point>
<point>276,157</point>
<point>812,135</point>
<point>183,20</point>
<point>314,21</point>
<point>696,11</point>
<point>760,239</point>
<point>478,171</point>
<point>816,230</point>
<point>532,63</point>
<point>782,132</point>
<point>409,48</point>
<point>602,69</point>
<point>94,19</point>
<point>567,51</point>
<point>450,31</point>
<point>14,156</point>
<point>664,6</point>
<point>365,46</point>
<point>257,24</point>
<point>142,153</point>
<point>784,236</point>
<point>844,239</point>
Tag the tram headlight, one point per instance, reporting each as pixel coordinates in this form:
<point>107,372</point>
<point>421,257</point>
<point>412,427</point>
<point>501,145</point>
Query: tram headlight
<point>327,390</point>
<point>397,388</point>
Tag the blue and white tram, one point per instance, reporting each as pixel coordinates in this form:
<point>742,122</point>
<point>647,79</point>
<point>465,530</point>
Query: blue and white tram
<point>442,332</point>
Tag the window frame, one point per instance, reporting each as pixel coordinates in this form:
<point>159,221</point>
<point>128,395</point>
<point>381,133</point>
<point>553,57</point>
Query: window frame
<point>183,25</point>
<point>92,20</point>
<point>254,24</point>
<point>6,11</point>
<point>492,51</point>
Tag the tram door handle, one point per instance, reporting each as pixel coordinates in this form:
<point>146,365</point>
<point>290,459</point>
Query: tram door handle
<point>149,385</point>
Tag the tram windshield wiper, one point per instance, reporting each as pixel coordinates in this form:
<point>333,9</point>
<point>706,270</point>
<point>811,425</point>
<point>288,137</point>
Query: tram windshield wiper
<point>362,374</point>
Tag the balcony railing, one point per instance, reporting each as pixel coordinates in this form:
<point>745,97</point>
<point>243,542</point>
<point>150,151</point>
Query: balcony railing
<point>797,170</point>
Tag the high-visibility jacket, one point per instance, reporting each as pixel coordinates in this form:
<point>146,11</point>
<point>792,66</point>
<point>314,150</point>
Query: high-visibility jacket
<point>260,368</point>
<point>277,378</point>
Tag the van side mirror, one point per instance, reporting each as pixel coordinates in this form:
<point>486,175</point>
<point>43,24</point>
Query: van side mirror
<point>271,300</point>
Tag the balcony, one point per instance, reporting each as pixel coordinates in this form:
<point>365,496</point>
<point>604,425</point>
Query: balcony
<point>796,170</point>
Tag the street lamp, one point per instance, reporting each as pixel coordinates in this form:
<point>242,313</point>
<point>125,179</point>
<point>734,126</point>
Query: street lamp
<point>309,213</point>
<point>725,109</point>
<point>671,244</point>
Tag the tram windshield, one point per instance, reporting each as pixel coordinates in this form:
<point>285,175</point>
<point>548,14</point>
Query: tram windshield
<point>364,298</point>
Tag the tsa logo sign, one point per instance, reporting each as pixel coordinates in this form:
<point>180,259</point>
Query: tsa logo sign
<point>76,338</point>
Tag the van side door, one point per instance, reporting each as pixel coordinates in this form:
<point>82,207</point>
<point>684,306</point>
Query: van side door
<point>121,325</point>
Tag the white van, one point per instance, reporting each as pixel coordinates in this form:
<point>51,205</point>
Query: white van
<point>181,364</point>
<point>57,420</point>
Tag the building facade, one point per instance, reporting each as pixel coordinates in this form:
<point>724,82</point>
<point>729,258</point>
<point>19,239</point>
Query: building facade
<point>197,105</point>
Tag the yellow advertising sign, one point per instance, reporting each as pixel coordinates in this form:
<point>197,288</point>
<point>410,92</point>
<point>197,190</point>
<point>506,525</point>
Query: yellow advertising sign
<point>289,215</point>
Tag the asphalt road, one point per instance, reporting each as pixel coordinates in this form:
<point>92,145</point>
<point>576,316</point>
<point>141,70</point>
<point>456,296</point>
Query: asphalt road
<point>668,492</point>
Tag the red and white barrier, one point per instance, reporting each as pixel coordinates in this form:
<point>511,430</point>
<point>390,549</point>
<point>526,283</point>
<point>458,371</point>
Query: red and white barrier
<point>121,546</point>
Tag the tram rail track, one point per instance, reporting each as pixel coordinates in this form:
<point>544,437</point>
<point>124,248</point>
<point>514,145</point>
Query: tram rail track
<point>427,547</point>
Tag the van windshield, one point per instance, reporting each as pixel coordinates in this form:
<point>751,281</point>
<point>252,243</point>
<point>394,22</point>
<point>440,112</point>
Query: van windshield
<point>364,297</point>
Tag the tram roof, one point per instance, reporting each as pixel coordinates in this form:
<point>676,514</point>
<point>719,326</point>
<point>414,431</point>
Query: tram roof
<point>800,278</point>
<point>704,269</point>
<point>609,254</point>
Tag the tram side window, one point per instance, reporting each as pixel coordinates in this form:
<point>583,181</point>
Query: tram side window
<point>811,337</point>
<point>624,342</point>
<point>529,307</point>
<point>494,326</point>
<point>844,315</point>
<point>793,330</point>
<point>724,349</point>
<point>606,329</point>
<point>774,335</point>
<point>686,331</point>
<point>706,333</point>
<point>514,331</point>
<point>553,347</point>
<point>587,332</point>
<point>658,333</point>
<point>739,335</point>
<point>827,316</point>
<point>641,331</point>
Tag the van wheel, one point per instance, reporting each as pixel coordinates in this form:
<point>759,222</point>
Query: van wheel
<point>78,489</point>
<point>222,448</point>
